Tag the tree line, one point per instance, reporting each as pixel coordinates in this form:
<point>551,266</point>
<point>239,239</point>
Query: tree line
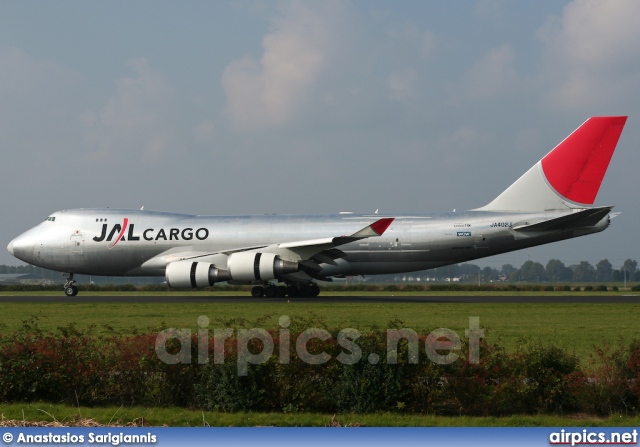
<point>531,271</point>
<point>57,277</point>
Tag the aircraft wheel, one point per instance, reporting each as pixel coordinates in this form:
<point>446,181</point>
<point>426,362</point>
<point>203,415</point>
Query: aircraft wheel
<point>270,291</point>
<point>310,290</point>
<point>71,291</point>
<point>257,291</point>
<point>281,291</point>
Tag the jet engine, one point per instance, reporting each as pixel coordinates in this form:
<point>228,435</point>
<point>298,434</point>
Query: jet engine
<point>183,274</point>
<point>242,266</point>
<point>250,266</point>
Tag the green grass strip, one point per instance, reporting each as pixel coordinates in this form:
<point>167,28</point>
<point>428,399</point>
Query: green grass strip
<point>180,417</point>
<point>575,327</point>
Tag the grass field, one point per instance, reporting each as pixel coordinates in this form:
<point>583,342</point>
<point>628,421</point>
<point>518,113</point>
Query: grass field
<point>576,327</point>
<point>180,417</point>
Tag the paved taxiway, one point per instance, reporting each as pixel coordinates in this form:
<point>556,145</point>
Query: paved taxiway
<point>587,299</point>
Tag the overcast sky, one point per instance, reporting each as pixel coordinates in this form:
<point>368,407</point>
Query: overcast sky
<point>252,107</point>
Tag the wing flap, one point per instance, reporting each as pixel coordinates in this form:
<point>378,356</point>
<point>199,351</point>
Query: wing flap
<point>328,256</point>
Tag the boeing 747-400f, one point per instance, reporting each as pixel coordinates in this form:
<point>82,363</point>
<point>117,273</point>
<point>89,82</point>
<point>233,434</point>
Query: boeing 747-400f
<point>285,255</point>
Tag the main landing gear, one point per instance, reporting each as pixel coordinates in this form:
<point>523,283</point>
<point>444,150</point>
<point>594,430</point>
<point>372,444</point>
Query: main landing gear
<point>294,290</point>
<point>69,288</point>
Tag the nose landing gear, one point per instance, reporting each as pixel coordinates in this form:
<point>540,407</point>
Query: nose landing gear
<point>69,288</point>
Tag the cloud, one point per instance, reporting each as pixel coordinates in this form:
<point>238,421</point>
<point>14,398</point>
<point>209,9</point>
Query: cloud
<point>38,104</point>
<point>204,131</point>
<point>592,54</point>
<point>136,120</point>
<point>492,76</point>
<point>408,36</point>
<point>21,74</point>
<point>267,93</point>
<point>486,9</point>
<point>402,84</point>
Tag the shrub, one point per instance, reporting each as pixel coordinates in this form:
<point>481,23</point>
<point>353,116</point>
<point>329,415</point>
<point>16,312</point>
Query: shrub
<point>75,367</point>
<point>615,384</point>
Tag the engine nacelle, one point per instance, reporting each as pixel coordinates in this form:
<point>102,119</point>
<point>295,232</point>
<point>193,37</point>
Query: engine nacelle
<point>251,266</point>
<point>241,266</point>
<point>184,274</point>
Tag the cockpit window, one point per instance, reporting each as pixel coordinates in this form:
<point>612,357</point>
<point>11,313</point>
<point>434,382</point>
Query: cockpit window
<point>50,219</point>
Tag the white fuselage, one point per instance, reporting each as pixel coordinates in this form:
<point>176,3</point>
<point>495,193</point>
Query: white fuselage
<point>140,243</point>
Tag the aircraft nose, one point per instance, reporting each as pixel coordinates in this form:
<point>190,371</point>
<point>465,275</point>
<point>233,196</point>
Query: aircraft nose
<point>22,246</point>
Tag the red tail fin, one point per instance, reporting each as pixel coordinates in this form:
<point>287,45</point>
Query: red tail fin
<point>576,167</point>
<point>570,175</point>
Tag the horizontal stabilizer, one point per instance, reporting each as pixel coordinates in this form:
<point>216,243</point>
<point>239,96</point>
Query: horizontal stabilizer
<point>581,219</point>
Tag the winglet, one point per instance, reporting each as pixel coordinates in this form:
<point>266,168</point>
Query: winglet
<point>380,226</point>
<point>375,229</point>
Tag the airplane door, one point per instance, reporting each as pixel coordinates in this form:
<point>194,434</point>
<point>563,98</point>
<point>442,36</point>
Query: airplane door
<point>481,242</point>
<point>405,239</point>
<point>77,243</point>
<point>385,248</point>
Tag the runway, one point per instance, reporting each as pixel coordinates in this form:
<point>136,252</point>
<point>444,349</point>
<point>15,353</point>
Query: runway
<point>587,299</point>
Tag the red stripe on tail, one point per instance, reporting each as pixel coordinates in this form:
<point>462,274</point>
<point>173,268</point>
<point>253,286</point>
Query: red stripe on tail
<point>576,167</point>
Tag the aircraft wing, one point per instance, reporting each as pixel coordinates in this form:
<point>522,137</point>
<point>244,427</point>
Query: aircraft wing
<point>312,246</point>
<point>584,218</point>
<point>303,250</point>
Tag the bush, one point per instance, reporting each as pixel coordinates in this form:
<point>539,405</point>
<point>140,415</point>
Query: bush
<point>615,380</point>
<point>75,367</point>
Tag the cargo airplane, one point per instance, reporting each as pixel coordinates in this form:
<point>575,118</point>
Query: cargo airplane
<point>285,255</point>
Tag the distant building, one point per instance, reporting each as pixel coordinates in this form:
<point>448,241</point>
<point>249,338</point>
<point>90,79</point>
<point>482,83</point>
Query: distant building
<point>7,279</point>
